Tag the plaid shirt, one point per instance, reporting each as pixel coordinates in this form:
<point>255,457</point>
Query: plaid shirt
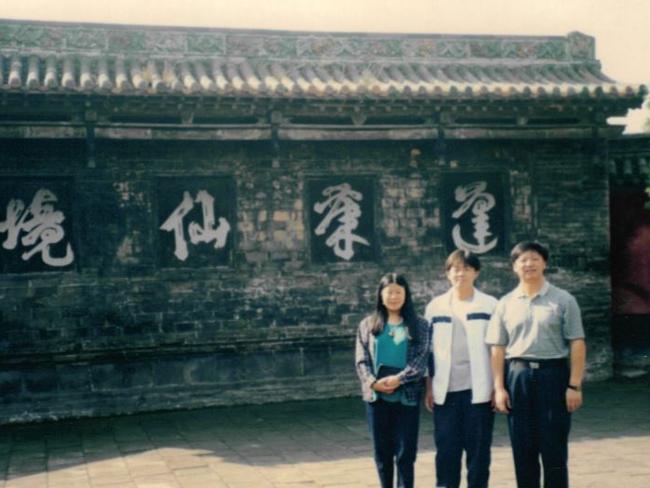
<point>416,361</point>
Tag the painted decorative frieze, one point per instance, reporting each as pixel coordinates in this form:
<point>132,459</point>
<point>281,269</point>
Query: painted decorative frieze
<point>322,47</point>
<point>85,39</point>
<point>213,44</point>
<point>551,50</point>
<point>419,48</point>
<point>165,42</point>
<point>486,49</point>
<point>123,41</point>
<point>453,49</point>
<point>26,36</point>
<point>254,46</point>
<point>518,49</point>
<point>581,46</point>
<point>575,46</point>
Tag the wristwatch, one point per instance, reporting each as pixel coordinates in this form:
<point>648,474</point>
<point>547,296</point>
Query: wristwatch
<point>574,388</point>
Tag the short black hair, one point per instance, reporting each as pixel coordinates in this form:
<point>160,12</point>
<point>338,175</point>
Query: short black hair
<point>525,246</point>
<point>464,258</point>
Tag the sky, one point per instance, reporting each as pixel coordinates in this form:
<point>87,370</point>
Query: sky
<point>621,27</point>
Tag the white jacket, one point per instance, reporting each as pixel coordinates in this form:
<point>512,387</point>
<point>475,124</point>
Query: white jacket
<point>438,315</point>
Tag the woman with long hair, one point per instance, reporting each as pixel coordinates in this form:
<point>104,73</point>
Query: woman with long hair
<point>391,360</point>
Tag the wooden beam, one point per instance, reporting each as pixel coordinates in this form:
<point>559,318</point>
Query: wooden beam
<point>225,134</point>
<point>355,133</point>
<point>293,133</point>
<point>42,132</point>
<point>529,133</point>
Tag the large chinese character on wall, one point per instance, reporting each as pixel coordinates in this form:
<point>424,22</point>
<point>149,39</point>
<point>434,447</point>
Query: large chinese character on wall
<point>36,225</point>
<point>342,219</point>
<point>473,211</point>
<point>195,221</point>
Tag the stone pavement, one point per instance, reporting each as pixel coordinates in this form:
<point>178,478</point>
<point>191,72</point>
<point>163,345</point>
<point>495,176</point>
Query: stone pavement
<point>299,444</point>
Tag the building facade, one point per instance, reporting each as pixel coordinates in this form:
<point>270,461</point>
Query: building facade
<point>630,251</point>
<point>195,217</point>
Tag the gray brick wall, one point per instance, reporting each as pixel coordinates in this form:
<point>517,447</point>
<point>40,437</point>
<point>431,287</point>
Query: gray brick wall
<point>121,334</point>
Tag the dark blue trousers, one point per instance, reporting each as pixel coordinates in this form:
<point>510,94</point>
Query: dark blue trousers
<point>394,429</point>
<point>539,422</point>
<point>462,426</point>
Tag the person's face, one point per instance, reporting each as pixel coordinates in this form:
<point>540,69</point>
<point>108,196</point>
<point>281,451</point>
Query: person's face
<point>393,297</point>
<point>461,276</point>
<point>529,266</point>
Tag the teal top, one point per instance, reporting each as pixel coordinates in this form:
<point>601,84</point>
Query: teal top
<point>392,344</point>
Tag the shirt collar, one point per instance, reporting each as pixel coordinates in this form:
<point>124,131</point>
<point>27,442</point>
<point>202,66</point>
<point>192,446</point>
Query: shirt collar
<point>519,291</point>
<point>450,297</point>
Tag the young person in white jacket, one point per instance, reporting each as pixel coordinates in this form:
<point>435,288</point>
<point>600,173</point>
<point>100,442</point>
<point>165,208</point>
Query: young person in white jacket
<point>459,387</point>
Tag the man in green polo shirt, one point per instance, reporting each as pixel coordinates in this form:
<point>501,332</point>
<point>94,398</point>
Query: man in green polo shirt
<point>538,359</point>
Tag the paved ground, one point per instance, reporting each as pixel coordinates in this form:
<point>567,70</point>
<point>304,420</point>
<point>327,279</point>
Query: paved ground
<point>292,445</point>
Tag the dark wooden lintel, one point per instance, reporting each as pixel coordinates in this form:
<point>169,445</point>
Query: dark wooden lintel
<point>531,133</point>
<point>280,130</point>
<point>190,133</point>
<point>278,125</point>
<point>360,133</point>
<point>42,132</point>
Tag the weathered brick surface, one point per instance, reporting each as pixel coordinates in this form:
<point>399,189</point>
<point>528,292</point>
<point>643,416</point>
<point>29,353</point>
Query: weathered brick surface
<point>120,334</point>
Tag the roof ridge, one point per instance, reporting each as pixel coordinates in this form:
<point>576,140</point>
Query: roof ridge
<point>61,57</point>
<point>116,38</point>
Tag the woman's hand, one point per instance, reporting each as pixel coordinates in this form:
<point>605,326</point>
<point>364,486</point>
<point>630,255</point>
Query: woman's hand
<point>383,386</point>
<point>392,381</point>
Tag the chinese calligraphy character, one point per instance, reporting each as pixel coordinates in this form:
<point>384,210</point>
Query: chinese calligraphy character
<point>341,204</point>
<point>41,225</point>
<point>205,233</point>
<point>474,196</point>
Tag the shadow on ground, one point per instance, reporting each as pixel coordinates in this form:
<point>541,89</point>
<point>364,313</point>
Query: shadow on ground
<point>268,435</point>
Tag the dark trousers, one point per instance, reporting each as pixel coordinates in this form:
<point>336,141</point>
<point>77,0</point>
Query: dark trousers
<point>460,425</point>
<point>394,429</point>
<point>539,422</point>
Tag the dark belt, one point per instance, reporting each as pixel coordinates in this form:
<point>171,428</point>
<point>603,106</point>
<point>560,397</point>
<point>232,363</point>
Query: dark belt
<point>539,363</point>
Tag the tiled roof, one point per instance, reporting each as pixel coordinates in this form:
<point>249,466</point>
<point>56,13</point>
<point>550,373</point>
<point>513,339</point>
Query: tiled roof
<point>96,59</point>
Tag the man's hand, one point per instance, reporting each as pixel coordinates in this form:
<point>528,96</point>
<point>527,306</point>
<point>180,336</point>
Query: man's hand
<point>428,401</point>
<point>501,400</point>
<point>500,395</point>
<point>573,400</point>
<point>577,356</point>
<point>428,394</point>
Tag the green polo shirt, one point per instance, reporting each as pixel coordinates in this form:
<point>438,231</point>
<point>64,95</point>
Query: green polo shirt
<point>538,327</point>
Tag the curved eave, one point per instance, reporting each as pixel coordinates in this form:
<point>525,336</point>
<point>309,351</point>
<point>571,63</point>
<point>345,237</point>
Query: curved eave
<point>633,94</point>
<point>277,80</point>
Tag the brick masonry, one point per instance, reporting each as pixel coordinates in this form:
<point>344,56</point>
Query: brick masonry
<point>119,333</point>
